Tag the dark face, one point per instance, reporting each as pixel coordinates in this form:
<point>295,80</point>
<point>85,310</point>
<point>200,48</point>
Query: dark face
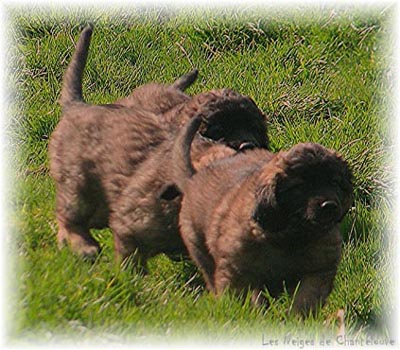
<point>316,190</point>
<point>319,200</point>
<point>311,194</point>
<point>238,131</point>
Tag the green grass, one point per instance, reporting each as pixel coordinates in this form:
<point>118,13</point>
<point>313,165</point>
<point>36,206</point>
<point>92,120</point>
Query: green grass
<point>320,75</point>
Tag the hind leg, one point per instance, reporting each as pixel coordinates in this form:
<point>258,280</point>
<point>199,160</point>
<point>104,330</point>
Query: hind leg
<point>206,264</point>
<point>73,217</point>
<point>79,239</point>
<point>198,252</point>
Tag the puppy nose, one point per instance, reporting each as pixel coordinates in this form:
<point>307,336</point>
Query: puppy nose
<point>328,211</point>
<point>246,145</point>
<point>329,206</point>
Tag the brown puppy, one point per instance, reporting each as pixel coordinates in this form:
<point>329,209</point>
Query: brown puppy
<point>96,151</point>
<point>144,219</point>
<point>259,219</point>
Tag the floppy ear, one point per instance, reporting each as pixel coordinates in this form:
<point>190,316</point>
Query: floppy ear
<point>169,192</point>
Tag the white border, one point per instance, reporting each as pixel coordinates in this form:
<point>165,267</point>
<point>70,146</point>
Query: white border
<point>177,3</point>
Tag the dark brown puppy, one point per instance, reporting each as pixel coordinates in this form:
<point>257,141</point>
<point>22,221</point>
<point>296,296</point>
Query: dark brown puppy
<point>96,151</point>
<point>259,219</point>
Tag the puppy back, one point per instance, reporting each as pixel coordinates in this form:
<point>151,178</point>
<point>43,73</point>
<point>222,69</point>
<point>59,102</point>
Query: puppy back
<point>72,82</point>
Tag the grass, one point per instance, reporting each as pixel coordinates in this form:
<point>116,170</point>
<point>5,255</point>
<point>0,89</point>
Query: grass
<point>320,75</point>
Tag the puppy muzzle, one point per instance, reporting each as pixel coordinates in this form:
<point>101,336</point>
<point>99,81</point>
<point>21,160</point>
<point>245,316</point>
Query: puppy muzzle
<point>324,212</point>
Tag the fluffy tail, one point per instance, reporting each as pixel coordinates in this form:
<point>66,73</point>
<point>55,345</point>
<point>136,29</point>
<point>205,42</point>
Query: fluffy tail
<point>181,160</point>
<point>72,82</point>
<point>186,80</point>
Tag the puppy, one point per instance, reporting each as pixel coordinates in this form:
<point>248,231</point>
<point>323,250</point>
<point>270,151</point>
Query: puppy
<point>259,219</point>
<point>96,151</point>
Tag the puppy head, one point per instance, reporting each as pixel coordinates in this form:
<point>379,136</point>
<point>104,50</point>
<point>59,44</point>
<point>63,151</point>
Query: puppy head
<point>307,189</point>
<point>229,118</point>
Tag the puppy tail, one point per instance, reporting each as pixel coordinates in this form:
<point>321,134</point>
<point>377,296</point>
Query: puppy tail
<point>186,80</point>
<point>72,82</point>
<point>183,168</point>
<point>181,159</point>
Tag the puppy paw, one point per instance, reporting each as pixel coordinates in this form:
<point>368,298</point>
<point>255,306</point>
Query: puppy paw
<point>85,248</point>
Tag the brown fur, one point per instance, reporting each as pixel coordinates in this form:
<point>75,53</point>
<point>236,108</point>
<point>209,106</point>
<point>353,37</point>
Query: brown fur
<point>159,98</point>
<point>259,219</point>
<point>142,220</point>
<point>111,158</point>
<point>93,152</point>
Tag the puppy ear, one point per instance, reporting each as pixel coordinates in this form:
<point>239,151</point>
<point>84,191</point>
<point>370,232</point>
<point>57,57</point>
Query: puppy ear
<point>169,192</point>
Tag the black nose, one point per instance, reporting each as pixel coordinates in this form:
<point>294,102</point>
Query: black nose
<point>246,145</point>
<point>328,212</point>
<point>329,206</point>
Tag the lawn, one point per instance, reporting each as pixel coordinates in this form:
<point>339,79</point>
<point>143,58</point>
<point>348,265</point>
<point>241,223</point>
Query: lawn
<point>319,74</point>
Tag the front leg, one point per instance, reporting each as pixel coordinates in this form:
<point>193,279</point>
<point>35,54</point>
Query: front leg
<point>313,291</point>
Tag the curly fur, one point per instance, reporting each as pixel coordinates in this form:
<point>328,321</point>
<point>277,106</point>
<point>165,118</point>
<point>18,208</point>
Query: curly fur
<point>114,157</point>
<point>265,220</point>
